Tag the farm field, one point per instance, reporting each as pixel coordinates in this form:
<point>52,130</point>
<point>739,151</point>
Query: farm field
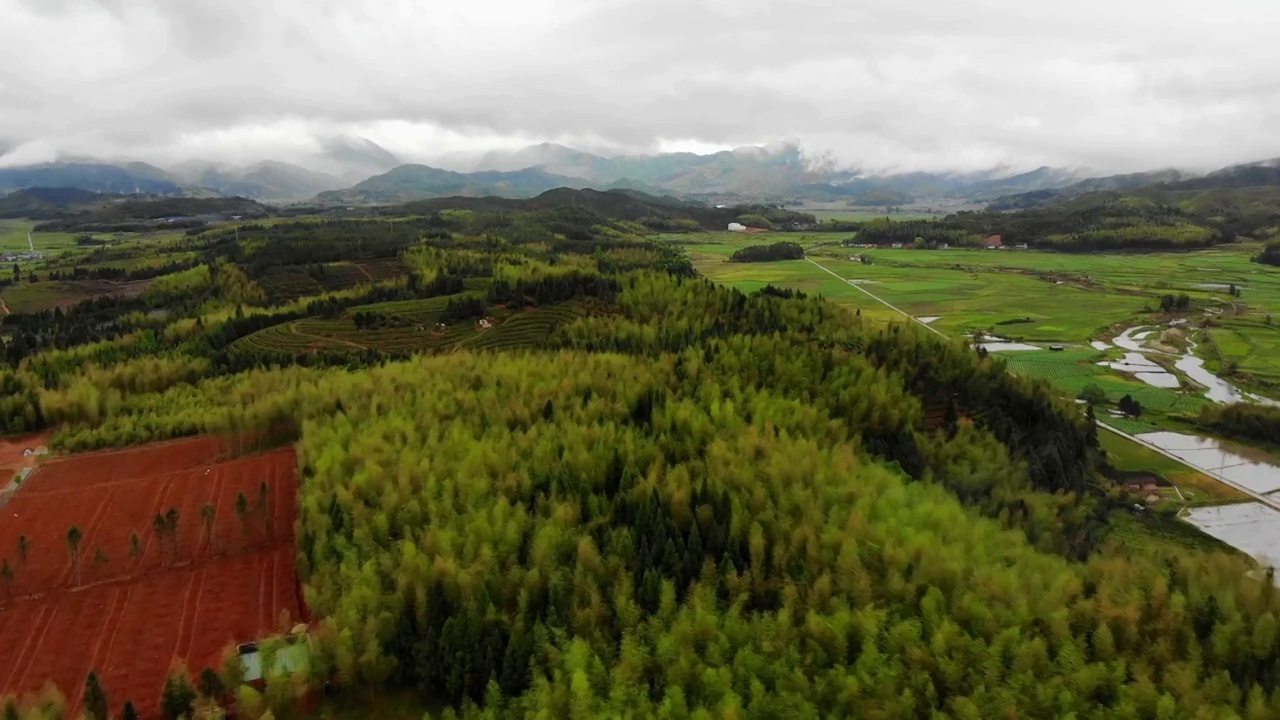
<point>710,253</point>
<point>49,294</point>
<point>842,211</point>
<point>291,282</point>
<point>1028,296</point>
<point>1044,298</point>
<point>13,238</point>
<point>187,594</point>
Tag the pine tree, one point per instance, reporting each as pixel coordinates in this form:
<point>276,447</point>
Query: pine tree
<point>95,698</point>
<point>171,529</point>
<point>242,515</point>
<point>74,536</point>
<point>208,513</point>
<point>178,695</point>
<point>135,547</point>
<point>211,686</point>
<point>160,527</point>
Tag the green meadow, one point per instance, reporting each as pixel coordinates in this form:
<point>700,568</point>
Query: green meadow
<point>1047,299</point>
<point>1030,296</point>
<point>13,238</point>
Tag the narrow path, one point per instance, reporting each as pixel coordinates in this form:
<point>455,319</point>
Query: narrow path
<point>3,308</point>
<point>293,327</point>
<point>877,298</point>
<point>1270,502</point>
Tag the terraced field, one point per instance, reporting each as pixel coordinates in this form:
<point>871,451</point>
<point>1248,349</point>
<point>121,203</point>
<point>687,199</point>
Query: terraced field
<point>528,328</point>
<point>291,282</point>
<point>380,269</point>
<point>512,329</point>
<point>417,310</point>
<point>288,283</point>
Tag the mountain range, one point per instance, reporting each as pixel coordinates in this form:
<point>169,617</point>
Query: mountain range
<point>356,171</point>
<point>339,162</point>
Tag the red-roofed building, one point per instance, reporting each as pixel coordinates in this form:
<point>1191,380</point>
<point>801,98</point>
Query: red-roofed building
<point>994,242</point>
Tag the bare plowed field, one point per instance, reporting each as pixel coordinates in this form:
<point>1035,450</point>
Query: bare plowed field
<point>187,592</point>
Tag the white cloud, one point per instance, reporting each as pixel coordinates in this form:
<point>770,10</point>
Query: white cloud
<point>907,84</point>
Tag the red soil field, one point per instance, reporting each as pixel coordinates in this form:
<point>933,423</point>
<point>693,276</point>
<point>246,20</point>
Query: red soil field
<point>128,619</point>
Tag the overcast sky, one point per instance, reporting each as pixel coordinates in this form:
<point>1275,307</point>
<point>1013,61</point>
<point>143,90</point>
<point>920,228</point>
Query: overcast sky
<point>1112,85</point>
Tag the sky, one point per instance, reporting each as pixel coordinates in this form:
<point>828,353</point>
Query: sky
<point>881,85</point>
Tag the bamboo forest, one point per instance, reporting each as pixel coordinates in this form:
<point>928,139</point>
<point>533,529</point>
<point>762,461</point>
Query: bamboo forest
<point>547,470</point>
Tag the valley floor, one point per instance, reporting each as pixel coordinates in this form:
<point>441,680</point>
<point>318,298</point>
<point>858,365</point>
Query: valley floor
<point>1077,320</point>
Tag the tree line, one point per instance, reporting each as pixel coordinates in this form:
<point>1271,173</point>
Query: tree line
<point>768,253</point>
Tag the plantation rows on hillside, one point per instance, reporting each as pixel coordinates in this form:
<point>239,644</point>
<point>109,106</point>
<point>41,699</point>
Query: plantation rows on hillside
<point>418,332</point>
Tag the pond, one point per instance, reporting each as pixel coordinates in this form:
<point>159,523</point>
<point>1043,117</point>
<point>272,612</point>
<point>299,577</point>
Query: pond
<point>1247,467</point>
<point>1250,527</point>
<point>1139,366</point>
<point>1006,346</point>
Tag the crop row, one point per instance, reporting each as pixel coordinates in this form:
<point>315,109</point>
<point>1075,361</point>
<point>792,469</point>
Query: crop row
<point>340,276</point>
<point>522,329</point>
<point>1053,370</point>
<point>423,311</point>
<point>288,285</point>
<point>528,328</point>
<point>275,338</point>
<point>382,268</point>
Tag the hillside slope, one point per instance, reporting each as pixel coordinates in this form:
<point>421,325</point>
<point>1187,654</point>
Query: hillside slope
<point>408,183</point>
<point>96,177</point>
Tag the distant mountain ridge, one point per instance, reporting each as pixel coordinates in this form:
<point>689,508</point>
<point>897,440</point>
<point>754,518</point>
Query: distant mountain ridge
<point>267,180</point>
<point>408,183</point>
<point>339,162</point>
<point>1242,189</point>
<point>781,174</point>
<point>96,177</point>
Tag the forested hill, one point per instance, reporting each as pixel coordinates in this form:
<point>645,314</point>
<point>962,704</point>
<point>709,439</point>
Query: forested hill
<point>1100,221</point>
<point>63,209</point>
<point>662,213</point>
<point>1244,200</point>
<point>549,471</point>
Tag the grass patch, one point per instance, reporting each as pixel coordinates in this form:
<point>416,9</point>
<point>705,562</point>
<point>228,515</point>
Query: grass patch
<point>13,238</point>
<point>1154,532</point>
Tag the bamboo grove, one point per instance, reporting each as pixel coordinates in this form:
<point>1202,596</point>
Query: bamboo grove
<point>691,503</point>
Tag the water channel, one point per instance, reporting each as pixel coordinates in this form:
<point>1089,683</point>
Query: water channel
<point>1252,527</point>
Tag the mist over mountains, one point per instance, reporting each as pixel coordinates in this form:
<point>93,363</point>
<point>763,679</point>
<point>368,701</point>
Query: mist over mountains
<point>353,170</point>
